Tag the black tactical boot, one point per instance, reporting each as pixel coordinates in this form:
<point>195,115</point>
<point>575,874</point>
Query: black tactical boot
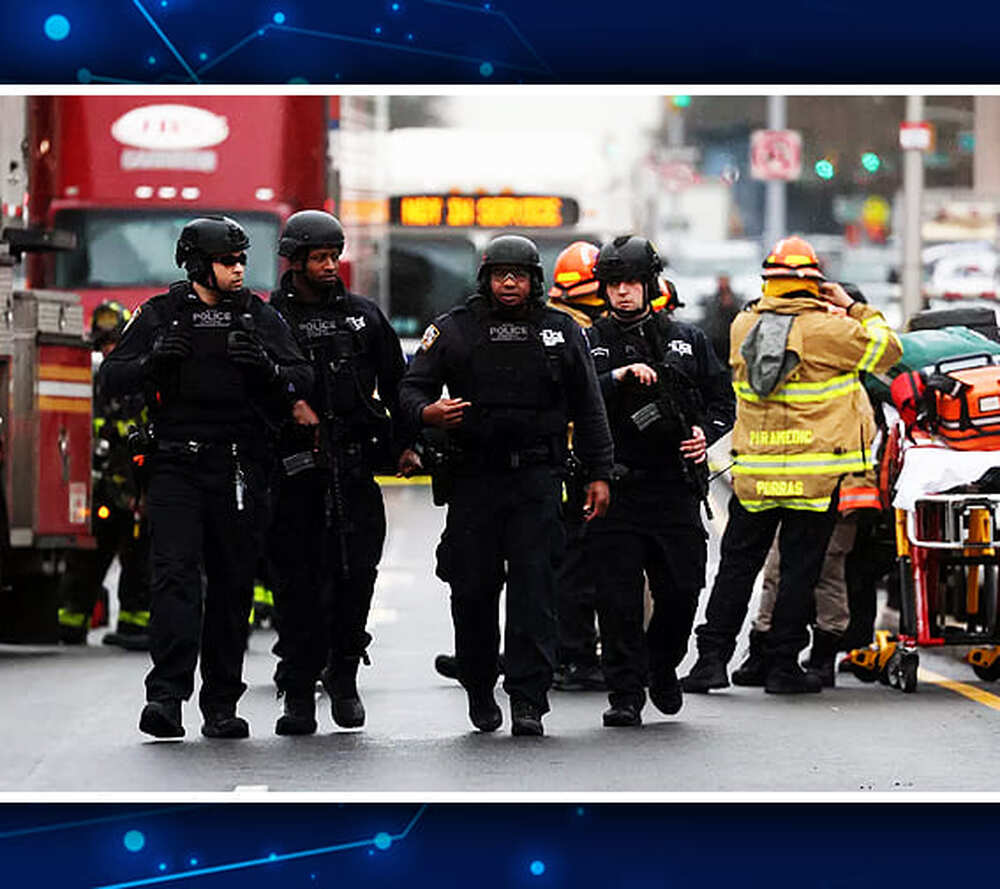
<point>162,719</point>
<point>822,656</point>
<point>340,680</point>
<point>299,717</point>
<point>447,665</point>
<point>622,716</point>
<point>665,693</point>
<point>708,672</point>
<point>225,724</point>
<point>525,719</point>
<point>753,671</point>
<point>573,676</point>
<point>788,678</point>
<point>484,712</point>
<point>129,639</point>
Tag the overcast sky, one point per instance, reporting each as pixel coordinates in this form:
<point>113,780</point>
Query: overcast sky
<point>555,111</point>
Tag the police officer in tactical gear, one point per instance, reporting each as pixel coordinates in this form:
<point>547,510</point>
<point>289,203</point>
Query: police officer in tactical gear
<point>117,514</point>
<point>667,398</point>
<point>329,520</point>
<point>220,368</point>
<point>517,372</point>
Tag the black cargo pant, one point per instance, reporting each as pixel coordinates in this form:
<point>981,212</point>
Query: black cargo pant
<point>321,613</point>
<point>802,543</point>
<point>196,526</point>
<point>576,593</point>
<point>652,530</point>
<point>79,587</point>
<point>504,524</point>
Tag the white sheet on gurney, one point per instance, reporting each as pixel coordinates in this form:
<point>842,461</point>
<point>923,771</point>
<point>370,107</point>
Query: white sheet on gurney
<point>933,468</point>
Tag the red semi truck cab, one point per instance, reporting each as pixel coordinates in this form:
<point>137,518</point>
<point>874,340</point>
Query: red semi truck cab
<point>125,173</point>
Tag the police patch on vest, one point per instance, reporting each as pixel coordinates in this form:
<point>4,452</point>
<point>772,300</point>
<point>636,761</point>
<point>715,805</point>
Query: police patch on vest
<point>212,319</point>
<point>681,347</point>
<point>356,322</point>
<point>431,334</point>
<point>317,328</point>
<point>601,352</point>
<point>552,337</point>
<point>508,333</point>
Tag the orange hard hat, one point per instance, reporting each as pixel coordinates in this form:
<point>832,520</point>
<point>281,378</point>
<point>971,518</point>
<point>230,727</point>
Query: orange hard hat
<point>573,278</point>
<point>792,257</point>
<point>668,300</point>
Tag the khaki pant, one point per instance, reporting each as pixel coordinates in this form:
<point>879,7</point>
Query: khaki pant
<point>832,613</point>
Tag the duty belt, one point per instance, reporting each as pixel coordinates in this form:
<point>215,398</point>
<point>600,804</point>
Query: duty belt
<point>517,459</point>
<point>622,473</point>
<point>191,448</point>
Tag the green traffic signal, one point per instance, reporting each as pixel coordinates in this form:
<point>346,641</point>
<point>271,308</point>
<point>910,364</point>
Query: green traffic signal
<point>871,161</point>
<point>680,101</point>
<point>824,169</point>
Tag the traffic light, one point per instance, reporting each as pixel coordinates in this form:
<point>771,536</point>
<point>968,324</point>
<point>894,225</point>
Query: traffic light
<point>824,169</point>
<point>680,101</point>
<point>871,161</point>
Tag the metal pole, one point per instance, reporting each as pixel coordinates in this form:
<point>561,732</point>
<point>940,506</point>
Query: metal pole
<point>913,187</point>
<point>774,209</point>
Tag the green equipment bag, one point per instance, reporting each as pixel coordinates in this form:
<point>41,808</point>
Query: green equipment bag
<point>928,347</point>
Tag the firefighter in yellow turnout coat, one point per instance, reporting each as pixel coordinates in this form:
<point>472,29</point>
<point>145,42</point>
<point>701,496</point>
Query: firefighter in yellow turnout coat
<point>801,426</point>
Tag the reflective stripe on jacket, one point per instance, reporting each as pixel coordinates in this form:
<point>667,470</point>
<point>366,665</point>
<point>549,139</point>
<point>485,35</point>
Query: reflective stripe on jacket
<point>792,447</point>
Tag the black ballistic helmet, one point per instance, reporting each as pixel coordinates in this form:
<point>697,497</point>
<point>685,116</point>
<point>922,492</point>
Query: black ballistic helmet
<point>308,230</point>
<point>629,258</point>
<point>203,238</point>
<point>511,250</point>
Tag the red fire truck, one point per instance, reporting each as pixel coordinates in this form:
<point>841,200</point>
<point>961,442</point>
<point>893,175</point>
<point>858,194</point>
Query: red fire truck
<point>45,441</point>
<point>124,173</point>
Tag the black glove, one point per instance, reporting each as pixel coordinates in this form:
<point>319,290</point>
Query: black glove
<point>168,352</point>
<point>244,351</point>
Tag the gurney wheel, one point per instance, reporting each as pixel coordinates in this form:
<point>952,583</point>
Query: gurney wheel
<point>908,672</point>
<point>988,674</point>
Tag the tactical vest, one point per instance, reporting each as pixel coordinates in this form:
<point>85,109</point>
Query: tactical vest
<point>515,383</point>
<point>336,348</point>
<point>646,421</point>
<point>209,387</point>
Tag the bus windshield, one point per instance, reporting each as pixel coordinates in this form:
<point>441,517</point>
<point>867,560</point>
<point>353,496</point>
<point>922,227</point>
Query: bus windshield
<point>135,248</point>
<point>428,276</point>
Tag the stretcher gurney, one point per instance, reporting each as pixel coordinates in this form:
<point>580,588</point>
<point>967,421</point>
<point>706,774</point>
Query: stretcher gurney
<point>946,505</point>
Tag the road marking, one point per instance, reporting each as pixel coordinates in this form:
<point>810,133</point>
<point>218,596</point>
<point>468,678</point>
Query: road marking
<point>978,695</point>
<point>250,788</point>
<point>391,480</point>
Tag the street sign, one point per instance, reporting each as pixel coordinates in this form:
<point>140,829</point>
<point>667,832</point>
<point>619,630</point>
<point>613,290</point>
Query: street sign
<point>916,135</point>
<point>677,175</point>
<point>776,154</point>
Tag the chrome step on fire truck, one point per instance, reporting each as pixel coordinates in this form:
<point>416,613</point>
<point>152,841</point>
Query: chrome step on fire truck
<point>45,448</point>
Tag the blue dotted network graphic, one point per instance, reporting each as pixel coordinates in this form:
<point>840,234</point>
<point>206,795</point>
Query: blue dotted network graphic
<point>455,846</point>
<point>305,41</point>
<point>470,41</point>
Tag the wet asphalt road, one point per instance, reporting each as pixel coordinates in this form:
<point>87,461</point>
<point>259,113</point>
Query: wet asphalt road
<point>69,718</point>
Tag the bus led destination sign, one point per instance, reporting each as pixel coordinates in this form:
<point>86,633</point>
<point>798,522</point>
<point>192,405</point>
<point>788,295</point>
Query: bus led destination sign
<point>484,210</point>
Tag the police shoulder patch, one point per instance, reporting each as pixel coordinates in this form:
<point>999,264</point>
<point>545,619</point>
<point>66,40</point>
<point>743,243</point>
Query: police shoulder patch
<point>430,335</point>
